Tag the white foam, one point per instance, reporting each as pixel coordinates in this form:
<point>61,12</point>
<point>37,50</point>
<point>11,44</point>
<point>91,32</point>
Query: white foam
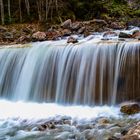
<point>35,110</point>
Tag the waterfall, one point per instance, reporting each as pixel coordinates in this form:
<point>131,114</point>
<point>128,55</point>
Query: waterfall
<point>86,73</point>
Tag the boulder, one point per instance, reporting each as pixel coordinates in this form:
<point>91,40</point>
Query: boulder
<point>124,35</point>
<point>103,121</point>
<point>76,25</point>
<point>8,35</point>
<point>116,25</point>
<point>53,35</point>
<point>110,34</point>
<point>130,108</point>
<point>136,35</point>
<point>99,21</point>
<point>27,30</point>
<point>134,22</point>
<point>3,29</point>
<point>39,36</point>
<point>81,30</point>
<point>133,133</point>
<point>66,24</point>
<point>66,32</point>
<point>72,40</point>
<point>24,39</point>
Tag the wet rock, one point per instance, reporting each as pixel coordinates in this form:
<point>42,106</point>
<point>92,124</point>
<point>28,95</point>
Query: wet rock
<point>110,34</point>
<point>72,40</point>
<point>82,127</point>
<point>8,35</point>
<point>24,39</point>
<point>103,121</point>
<point>124,35</point>
<point>66,24</point>
<point>76,25</point>
<point>53,35</point>
<point>115,129</point>
<point>131,137</point>
<point>113,138</point>
<point>99,21</point>
<point>130,108</point>
<point>3,29</point>
<point>66,32</point>
<point>62,136</point>
<point>134,22</point>
<point>116,25</point>
<point>81,30</point>
<point>39,36</point>
<point>133,133</point>
<point>27,30</point>
<point>136,35</point>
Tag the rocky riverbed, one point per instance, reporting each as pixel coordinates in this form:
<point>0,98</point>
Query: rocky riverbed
<point>25,33</point>
<point>32,121</point>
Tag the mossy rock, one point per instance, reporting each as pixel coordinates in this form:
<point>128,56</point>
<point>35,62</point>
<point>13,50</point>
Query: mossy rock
<point>130,108</point>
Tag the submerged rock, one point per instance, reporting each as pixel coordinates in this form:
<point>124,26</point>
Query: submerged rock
<point>130,108</point>
<point>72,40</point>
<point>133,133</point>
<point>110,34</point>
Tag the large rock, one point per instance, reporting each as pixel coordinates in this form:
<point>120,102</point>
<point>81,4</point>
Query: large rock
<point>8,35</point>
<point>134,22</point>
<point>39,36</point>
<point>110,34</point>
<point>66,24</point>
<point>76,25</point>
<point>53,35</point>
<point>66,32</point>
<point>72,40</point>
<point>24,39</point>
<point>133,133</point>
<point>130,108</point>
<point>81,30</point>
<point>3,29</point>
<point>99,21</point>
<point>116,25</point>
<point>124,35</point>
<point>136,35</point>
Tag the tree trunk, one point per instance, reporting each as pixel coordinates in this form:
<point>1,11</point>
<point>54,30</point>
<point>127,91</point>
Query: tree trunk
<point>2,11</point>
<point>39,10</point>
<point>9,11</point>
<point>27,7</point>
<point>20,13</point>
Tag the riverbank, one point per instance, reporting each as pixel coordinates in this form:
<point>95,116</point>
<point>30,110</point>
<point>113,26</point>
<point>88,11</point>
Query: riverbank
<point>26,33</point>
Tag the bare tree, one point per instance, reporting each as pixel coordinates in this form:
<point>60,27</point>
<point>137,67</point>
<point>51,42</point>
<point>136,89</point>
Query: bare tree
<point>20,13</point>
<point>2,11</point>
<point>9,10</point>
<point>39,9</point>
<point>27,4</point>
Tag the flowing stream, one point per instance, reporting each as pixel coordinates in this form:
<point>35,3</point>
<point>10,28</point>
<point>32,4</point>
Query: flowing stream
<point>83,81</point>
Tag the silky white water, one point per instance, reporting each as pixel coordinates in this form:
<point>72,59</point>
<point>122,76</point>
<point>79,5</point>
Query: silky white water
<point>88,73</point>
<point>80,83</point>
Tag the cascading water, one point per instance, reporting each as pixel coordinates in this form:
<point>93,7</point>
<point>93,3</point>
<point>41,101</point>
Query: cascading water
<point>87,73</point>
<point>81,76</point>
